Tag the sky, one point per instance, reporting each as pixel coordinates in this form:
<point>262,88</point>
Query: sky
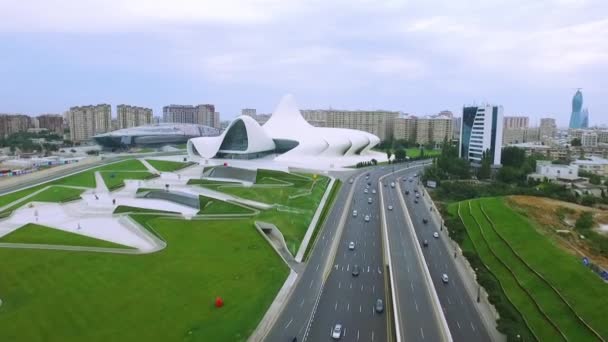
<point>419,57</point>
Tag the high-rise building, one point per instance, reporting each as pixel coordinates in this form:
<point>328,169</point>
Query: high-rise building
<point>441,128</point>
<point>87,121</point>
<point>14,123</point>
<point>481,132</point>
<point>377,122</point>
<point>589,139</point>
<point>516,122</point>
<point>456,125</point>
<point>579,118</point>
<point>203,114</point>
<point>52,122</point>
<point>132,116</point>
<point>548,128</point>
<point>404,128</point>
<point>249,112</point>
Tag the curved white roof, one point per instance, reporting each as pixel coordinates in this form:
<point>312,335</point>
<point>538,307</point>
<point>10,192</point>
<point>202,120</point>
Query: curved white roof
<point>287,123</point>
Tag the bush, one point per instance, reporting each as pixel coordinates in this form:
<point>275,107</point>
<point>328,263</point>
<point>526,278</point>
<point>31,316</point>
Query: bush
<point>584,221</point>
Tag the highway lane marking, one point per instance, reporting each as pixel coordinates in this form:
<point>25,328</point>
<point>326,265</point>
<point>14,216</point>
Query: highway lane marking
<point>412,285</point>
<point>288,324</point>
<point>360,308</point>
<point>408,266</point>
<point>351,285</point>
<point>361,288</point>
<point>357,334</point>
<point>312,281</point>
<point>416,304</point>
<point>302,303</point>
<point>347,267</point>
<point>336,306</point>
<point>372,336</point>
<point>449,301</point>
<point>345,332</point>
<point>472,326</point>
<point>458,324</point>
<point>367,269</point>
<point>339,284</point>
<point>336,266</point>
<point>348,307</point>
<point>422,333</point>
<point>379,270</point>
<point>374,289</point>
<point>317,268</point>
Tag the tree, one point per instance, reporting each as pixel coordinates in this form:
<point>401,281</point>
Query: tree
<point>575,142</point>
<point>389,153</point>
<point>510,174</point>
<point>595,179</point>
<point>400,154</point>
<point>513,156</point>
<point>485,171</point>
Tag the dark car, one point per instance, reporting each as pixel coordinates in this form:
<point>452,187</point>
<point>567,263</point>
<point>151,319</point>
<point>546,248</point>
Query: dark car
<point>379,306</point>
<point>407,192</point>
<point>425,243</point>
<point>425,220</point>
<point>415,201</point>
<point>356,271</point>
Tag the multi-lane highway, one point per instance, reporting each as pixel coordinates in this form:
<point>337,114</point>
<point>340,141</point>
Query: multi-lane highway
<point>350,299</point>
<point>459,308</point>
<point>327,292</point>
<point>417,316</point>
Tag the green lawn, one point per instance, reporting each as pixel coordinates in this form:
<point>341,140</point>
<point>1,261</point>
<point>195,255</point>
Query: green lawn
<point>166,165</point>
<point>38,234</point>
<point>585,291</point>
<point>414,152</point>
<point>127,209</point>
<point>164,296</point>
<point>562,270</point>
<point>212,206</point>
<point>115,180</point>
<point>51,194</point>
<point>193,181</point>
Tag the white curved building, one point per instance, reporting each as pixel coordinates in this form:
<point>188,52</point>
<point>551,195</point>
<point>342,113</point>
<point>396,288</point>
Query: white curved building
<point>287,139</point>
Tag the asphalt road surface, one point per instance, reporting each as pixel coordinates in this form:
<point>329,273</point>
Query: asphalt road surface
<point>463,319</point>
<point>417,318</point>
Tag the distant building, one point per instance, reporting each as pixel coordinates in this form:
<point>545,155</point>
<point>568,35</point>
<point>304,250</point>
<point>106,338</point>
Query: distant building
<point>132,116</point>
<point>481,131</point>
<point>548,128</point>
<point>87,121</point>
<point>154,135</point>
<point>446,113</point>
<point>516,122</point>
<point>52,122</point>
<point>545,169</point>
<point>203,114</point>
<point>14,123</point>
<point>377,122</point>
<point>456,124</point>
<point>423,130</point>
<point>404,128</point>
<point>589,139</point>
<point>249,112</point>
<point>579,118</point>
<point>596,165</point>
<point>520,135</point>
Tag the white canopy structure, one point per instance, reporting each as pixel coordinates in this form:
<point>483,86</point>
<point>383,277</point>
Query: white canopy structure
<point>288,139</point>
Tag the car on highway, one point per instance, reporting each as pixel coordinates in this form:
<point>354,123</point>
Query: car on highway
<point>354,213</point>
<point>379,306</point>
<point>417,195</point>
<point>356,271</point>
<point>425,243</point>
<point>351,245</point>
<point>369,200</point>
<point>373,191</point>
<point>365,191</point>
<point>411,179</point>
<point>425,220</point>
<point>390,207</point>
<point>385,185</point>
<point>351,181</point>
<point>407,192</point>
<point>366,218</point>
<point>392,184</point>
<point>415,175</point>
<point>415,201</point>
<point>436,235</point>
<point>444,278</point>
<point>416,190</point>
<point>336,332</point>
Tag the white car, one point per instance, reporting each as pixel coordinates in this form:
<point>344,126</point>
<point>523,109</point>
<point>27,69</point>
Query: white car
<point>390,207</point>
<point>369,200</point>
<point>365,191</point>
<point>351,181</point>
<point>354,213</point>
<point>336,332</point>
<point>366,218</point>
<point>444,278</point>
<point>373,191</point>
<point>392,184</point>
<point>436,235</point>
<point>351,245</point>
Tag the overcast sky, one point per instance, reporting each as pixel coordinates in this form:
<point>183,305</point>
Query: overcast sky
<point>418,57</point>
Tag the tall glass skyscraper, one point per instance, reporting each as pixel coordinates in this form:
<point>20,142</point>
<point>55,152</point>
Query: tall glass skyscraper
<point>579,117</point>
<point>481,131</point>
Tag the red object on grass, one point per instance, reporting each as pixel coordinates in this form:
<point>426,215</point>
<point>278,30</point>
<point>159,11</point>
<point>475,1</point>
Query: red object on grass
<point>219,302</point>
<point>225,164</point>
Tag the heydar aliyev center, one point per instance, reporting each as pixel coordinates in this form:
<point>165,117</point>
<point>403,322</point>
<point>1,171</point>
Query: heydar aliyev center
<point>286,139</point>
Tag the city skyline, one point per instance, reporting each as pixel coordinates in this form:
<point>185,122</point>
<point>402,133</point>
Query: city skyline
<point>415,58</point>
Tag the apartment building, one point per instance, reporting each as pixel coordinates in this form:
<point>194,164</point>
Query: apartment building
<point>516,122</point>
<point>88,121</point>
<point>548,128</point>
<point>404,128</point>
<point>203,114</point>
<point>423,130</point>
<point>52,122</point>
<point>441,128</point>
<point>249,112</point>
<point>132,116</point>
<point>378,122</point>
<point>520,135</point>
<point>14,123</point>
